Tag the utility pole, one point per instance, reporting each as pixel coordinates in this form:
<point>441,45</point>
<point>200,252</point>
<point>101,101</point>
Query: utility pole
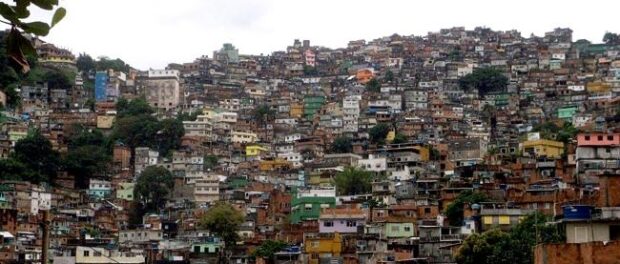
<point>46,236</point>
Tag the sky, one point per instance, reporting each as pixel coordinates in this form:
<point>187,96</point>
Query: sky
<point>152,33</point>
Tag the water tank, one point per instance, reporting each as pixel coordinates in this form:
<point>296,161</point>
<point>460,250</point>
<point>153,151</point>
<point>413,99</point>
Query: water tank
<point>576,212</point>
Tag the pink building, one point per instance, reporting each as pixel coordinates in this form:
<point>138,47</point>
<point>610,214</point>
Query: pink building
<point>341,220</point>
<point>310,57</point>
<point>597,153</point>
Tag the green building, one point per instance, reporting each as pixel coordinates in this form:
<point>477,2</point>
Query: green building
<point>309,207</point>
<point>399,230</point>
<point>567,113</point>
<point>312,104</point>
<point>210,245</point>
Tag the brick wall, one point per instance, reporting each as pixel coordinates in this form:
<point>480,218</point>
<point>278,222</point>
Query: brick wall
<point>585,253</point>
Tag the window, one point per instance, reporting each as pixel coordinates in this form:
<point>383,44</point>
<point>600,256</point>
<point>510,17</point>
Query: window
<point>86,253</point>
<point>610,137</point>
<point>599,138</point>
<point>395,228</point>
<point>351,223</point>
<point>407,228</point>
<point>427,210</point>
<point>328,224</point>
<point>97,254</point>
<point>587,137</point>
<point>314,244</point>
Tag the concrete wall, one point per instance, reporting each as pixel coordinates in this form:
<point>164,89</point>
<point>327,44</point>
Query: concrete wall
<point>586,232</point>
<point>586,253</point>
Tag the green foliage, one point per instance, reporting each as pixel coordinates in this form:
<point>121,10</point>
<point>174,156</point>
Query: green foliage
<point>8,78</point>
<point>342,144</point>
<point>35,152</point>
<point>484,80</point>
<point>105,63</point>
<point>85,63</point>
<point>18,46</point>
<point>353,181</point>
<point>550,130</point>
<point>310,71</point>
<point>223,220</point>
<point>373,85</point>
<point>134,107</point>
<point>13,170</point>
<point>136,127</point>
<point>454,211</point>
<point>513,247</point>
<point>210,161</point>
<point>611,38</point>
<point>400,139</point>
<point>86,161</point>
<point>268,249</point>
<point>378,133</point>
<point>263,114</point>
<point>389,76</point>
<point>152,187</point>
<point>189,117</point>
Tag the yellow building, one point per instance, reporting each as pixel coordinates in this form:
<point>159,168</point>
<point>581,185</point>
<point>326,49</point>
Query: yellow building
<point>297,110</point>
<point>598,87</point>
<point>544,147</point>
<point>105,121</point>
<point>320,245</point>
<point>269,165</point>
<point>424,153</point>
<point>254,150</point>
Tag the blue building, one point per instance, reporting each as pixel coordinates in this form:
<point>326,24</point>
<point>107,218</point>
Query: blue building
<point>101,84</point>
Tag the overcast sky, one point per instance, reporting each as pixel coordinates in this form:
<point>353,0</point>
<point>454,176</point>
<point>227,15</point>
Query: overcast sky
<point>153,33</point>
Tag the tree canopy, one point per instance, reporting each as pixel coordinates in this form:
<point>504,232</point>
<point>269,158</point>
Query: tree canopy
<point>353,181</point>
<point>373,85</point>
<point>484,80</point>
<point>342,144</point>
<point>17,16</point>
<point>37,154</point>
<point>268,249</point>
<point>378,133</point>
<point>454,211</point>
<point>512,247</point>
<point>223,220</point>
<point>153,186</point>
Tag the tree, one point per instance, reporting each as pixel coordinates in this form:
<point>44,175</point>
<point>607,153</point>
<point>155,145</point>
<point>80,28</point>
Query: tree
<point>353,181</point>
<point>13,170</point>
<point>189,116</point>
<point>342,145</point>
<point>37,154</point>
<point>263,114</point>
<point>389,76</point>
<point>85,63</point>
<point>310,71</point>
<point>134,107</point>
<point>18,46</point>
<point>378,133</point>
<point>210,161</point>
<point>104,63</point>
<point>512,247</point>
<point>400,139</point>
<point>268,249</point>
<point>373,85</point>
<point>482,248</point>
<point>611,38</point>
<point>85,162</point>
<point>223,220</point>
<point>454,211</point>
<point>153,186</point>
<point>57,80</point>
<point>484,80</point>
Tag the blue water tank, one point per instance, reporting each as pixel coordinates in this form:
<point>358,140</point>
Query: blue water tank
<point>576,212</point>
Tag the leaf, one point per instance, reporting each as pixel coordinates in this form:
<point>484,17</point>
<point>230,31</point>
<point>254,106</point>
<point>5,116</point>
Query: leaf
<point>7,12</point>
<point>21,8</point>
<point>16,44</point>
<point>37,28</point>
<point>58,15</point>
<point>45,4</point>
